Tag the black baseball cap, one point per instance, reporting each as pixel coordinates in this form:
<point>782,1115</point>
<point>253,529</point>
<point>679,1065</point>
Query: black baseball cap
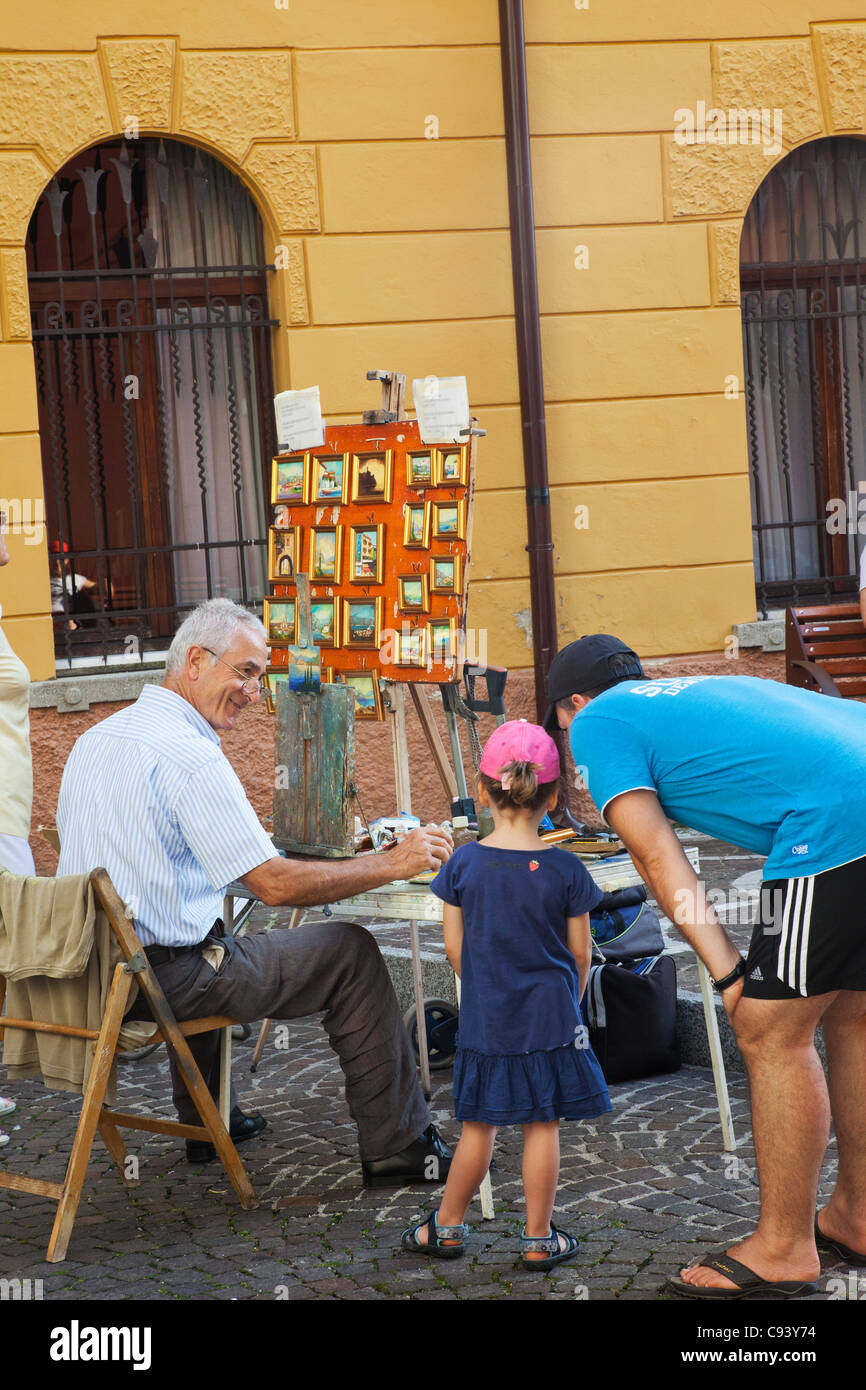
<point>586,664</point>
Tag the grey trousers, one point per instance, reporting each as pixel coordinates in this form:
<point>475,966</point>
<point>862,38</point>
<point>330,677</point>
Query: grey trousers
<point>335,967</point>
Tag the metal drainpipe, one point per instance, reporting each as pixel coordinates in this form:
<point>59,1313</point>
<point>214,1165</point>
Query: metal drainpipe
<point>522,220</point>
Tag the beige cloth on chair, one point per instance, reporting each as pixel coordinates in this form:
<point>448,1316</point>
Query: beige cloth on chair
<point>58,953</point>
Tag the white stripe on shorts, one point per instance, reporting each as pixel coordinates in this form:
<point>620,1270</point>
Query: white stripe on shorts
<point>794,940</point>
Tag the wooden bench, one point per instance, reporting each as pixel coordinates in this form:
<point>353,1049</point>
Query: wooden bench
<point>825,649</point>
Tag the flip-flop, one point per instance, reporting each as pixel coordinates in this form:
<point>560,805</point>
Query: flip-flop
<point>746,1280</point>
<point>436,1234</point>
<point>827,1243</point>
<point>550,1246</point>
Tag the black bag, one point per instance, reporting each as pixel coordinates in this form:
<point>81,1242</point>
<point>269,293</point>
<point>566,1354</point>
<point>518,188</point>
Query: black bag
<point>631,1013</point>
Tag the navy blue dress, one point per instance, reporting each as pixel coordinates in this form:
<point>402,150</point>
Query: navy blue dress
<point>523,1054</point>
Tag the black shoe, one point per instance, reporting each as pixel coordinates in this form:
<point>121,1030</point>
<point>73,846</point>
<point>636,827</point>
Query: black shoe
<point>241,1127</point>
<point>426,1159</point>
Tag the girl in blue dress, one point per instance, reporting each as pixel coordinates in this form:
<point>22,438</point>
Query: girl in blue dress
<point>516,925</point>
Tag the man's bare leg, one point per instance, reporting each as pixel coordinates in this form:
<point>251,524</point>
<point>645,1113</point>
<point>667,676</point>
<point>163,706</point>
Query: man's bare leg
<point>845,1036</point>
<point>791,1127</point>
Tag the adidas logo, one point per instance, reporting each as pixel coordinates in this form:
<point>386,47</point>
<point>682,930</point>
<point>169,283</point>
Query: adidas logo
<point>756,973</point>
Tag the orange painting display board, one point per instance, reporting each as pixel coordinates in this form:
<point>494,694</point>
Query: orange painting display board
<point>382,525</point>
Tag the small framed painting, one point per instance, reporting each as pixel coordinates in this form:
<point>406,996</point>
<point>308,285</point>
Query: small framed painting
<point>282,516</point>
<point>372,477</point>
<point>365,687</point>
<point>367,554</point>
<point>325,617</point>
<point>279,621</point>
<point>413,593</point>
<point>449,521</point>
<point>288,479</point>
<point>419,469</point>
<point>284,553</point>
<point>411,647</point>
<point>275,679</point>
<point>442,641</point>
<point>362,622</point>
<point>416,526</point>
<point>450,467</point>
<point>329,485</point>
<point>445,574</point>
<point>326,553</point>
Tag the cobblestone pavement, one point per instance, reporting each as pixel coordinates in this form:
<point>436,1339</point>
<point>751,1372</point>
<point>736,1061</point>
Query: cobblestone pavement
<point>647,1188</point>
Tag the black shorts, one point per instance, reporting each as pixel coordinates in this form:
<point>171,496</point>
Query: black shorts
<point>810,936</point>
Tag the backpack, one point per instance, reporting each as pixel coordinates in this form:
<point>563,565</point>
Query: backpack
<point>624,926</point>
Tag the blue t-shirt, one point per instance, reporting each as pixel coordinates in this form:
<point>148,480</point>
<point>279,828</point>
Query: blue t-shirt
<point>519,981</point>
<point>772,768</point>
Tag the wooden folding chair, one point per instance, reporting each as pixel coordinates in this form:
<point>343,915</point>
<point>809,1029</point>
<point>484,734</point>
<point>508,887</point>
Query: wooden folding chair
<point>94,1113</point>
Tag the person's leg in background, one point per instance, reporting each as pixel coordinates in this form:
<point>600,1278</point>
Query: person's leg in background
<point>844,1024</point>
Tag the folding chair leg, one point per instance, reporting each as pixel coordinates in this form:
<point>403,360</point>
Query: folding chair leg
<point>112,1140</point>
<point>89,1118</point>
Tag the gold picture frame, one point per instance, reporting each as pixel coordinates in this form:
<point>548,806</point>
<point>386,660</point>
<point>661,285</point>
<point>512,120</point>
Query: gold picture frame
<point>440,581</point>
<point>438,651</point>
<point>449,521</point>
<point>366,555</point>
<point>416,526</point>
<point>325,622</point>
<point>365,687</point>
<point>372,477</point>
<point>413,593</point>
<point>273,676</point>
<point>280,624</point>
<point>286,485</point>
<point>362,630</point>
<point>451,466</point>
<point>284,554</point>
<point>420,468</point>
<point>411,647</point>
<point>325,560</point>
<point>329,479</point>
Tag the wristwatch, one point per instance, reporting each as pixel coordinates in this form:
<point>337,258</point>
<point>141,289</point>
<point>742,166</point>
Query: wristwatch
<point>731,978</point>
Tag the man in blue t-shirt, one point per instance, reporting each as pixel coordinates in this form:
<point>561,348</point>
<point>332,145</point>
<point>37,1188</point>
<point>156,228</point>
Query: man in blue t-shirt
<point>782,772</point>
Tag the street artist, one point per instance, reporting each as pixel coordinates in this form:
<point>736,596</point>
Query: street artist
<point>782,772</point>
<point>149,795</point>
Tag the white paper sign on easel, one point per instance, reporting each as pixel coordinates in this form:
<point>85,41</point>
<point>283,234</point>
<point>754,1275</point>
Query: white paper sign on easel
<point>299,419</point>
<point>442,407</point>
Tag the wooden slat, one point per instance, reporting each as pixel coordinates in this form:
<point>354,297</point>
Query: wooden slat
<point>434,742</point>
<point>843,665</point>
<point>816,650</point>
<point>153,1124</point>
<point>830,610</point>
<point>852,686</point>
<point>35,1025</point>
<point>840,628</point>
<point>18,1183</point>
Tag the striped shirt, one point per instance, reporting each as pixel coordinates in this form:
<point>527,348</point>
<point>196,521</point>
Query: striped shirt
<point>149,795</point>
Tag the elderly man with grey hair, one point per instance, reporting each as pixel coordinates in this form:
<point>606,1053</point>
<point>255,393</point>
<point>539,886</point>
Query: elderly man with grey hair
<point>149,795</point>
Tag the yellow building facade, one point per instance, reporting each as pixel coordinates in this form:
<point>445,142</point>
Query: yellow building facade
<point>371,138</point>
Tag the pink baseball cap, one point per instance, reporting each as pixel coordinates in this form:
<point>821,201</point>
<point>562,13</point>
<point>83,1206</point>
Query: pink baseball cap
<point>521,742</point>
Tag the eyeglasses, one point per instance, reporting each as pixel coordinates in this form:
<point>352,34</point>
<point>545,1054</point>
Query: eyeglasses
<point>250,685</point>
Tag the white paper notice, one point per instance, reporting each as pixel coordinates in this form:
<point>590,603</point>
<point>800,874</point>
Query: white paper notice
<point>299,419</point>
<point>442,406</point>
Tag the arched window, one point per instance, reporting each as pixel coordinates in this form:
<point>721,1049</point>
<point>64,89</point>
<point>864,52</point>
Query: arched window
<point>151,332</point>
<point>803,279</point>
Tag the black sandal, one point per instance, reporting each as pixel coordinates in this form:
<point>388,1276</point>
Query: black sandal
<point>436,1235</point>
<point>550,1245</point>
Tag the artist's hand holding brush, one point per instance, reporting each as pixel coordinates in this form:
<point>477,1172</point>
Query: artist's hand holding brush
<point>309,882</point>
<point>425,848</point>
